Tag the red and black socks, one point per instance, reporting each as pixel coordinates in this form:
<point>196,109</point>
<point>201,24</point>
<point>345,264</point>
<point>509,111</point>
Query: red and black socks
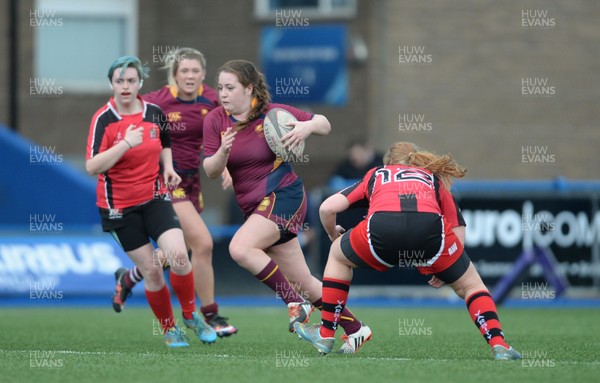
<point>482,310</point>
<point>347,320</point>
<point>335,296</point>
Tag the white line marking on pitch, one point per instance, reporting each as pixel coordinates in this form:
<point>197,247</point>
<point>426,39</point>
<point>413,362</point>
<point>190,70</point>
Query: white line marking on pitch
<point>594,363</point>
<point>71,352</point>
<point>454,360</point>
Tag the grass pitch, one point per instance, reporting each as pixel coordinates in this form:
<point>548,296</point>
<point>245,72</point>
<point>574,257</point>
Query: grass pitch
<point>409,345</point>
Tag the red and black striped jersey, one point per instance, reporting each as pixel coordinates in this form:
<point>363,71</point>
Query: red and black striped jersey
<point>135,178</point>
<point>400,188</point>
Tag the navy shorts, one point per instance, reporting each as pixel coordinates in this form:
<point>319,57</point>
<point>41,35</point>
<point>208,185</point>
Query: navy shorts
<point>287,208</point>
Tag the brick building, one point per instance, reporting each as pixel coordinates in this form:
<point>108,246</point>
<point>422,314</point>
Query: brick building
<point>494,83</point>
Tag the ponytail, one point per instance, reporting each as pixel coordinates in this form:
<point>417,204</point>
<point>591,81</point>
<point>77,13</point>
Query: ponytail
<point>407,153</point>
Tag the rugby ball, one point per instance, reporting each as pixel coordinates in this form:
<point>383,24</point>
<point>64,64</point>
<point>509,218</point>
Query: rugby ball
<point>275,127</point>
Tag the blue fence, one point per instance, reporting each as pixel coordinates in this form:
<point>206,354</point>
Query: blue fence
<point>38,188</point>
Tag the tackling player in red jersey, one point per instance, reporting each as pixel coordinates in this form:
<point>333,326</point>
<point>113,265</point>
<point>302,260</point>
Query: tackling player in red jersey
<point>129,149</point>
<point>267,190</point>
<point>185,102</point>
<point>411,215</point>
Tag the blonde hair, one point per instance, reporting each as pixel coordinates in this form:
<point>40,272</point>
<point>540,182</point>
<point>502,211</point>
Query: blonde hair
<point>407,153</point>
<point>174,59</point>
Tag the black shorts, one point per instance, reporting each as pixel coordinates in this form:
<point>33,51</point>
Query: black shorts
<point>134,226</point>
<point>424,241</point>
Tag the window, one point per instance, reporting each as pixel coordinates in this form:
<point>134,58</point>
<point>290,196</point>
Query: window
<point>268,10</point>
<point>76,41</point>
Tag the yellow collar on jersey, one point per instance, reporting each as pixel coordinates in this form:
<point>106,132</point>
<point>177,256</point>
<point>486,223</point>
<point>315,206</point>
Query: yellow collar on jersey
<point>175,90</point>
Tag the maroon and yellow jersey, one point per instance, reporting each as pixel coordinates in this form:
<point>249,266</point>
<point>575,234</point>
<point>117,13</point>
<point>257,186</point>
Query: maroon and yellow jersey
<point>400,188</point>
<point>186,119</point>
<point>135,178</point>
<point>254,168</point>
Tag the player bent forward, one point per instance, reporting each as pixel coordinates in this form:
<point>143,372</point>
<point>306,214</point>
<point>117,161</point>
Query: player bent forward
<point>409,201</point>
